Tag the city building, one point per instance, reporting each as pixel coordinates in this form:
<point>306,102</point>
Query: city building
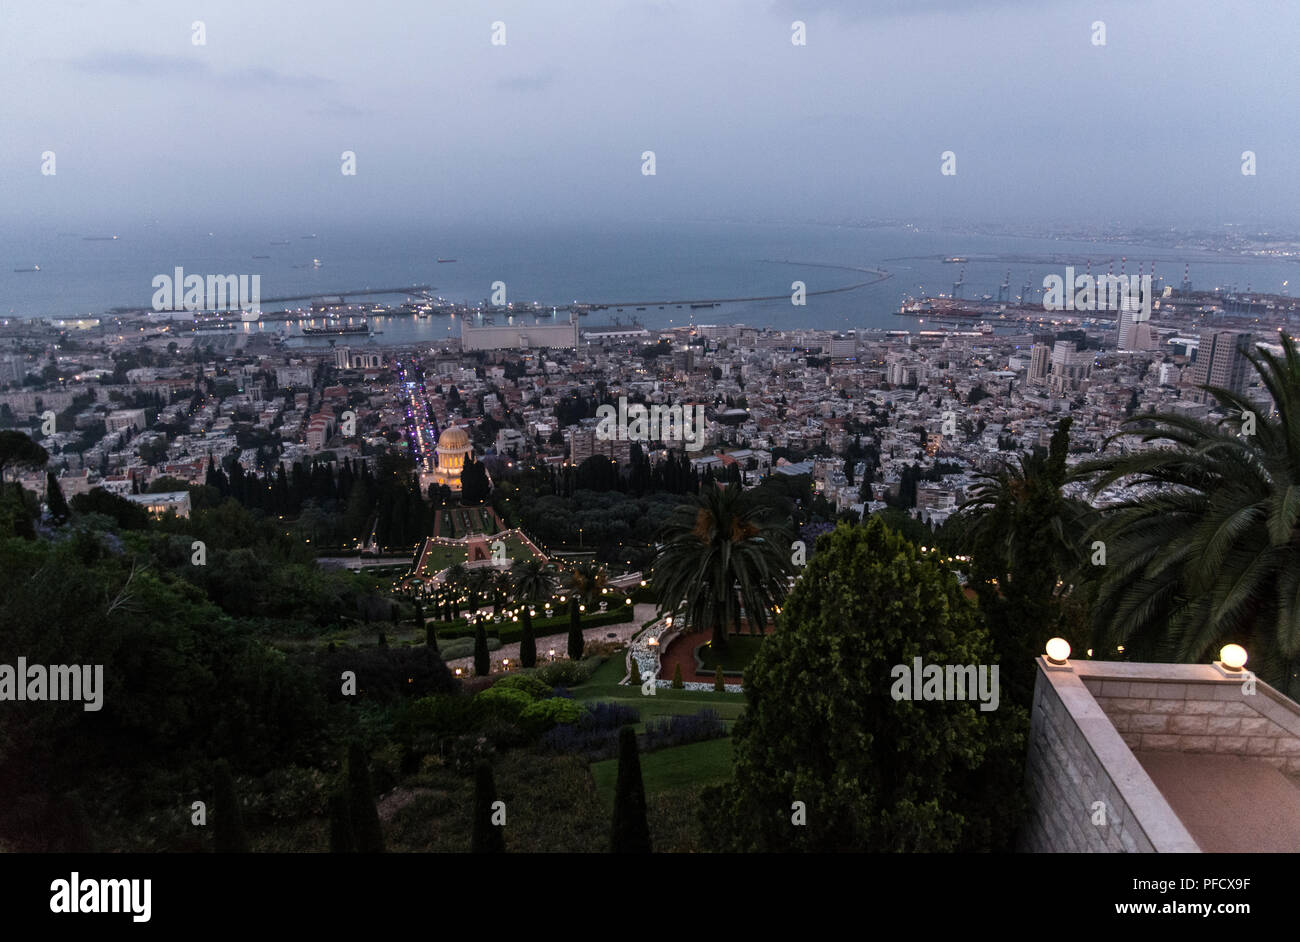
<point>345,358</point>
<point>1071,369</point>
<point>177,502</point>
<point>1221,362</point>
<point>1134,333</point>
<point>538,336</point>
<point>124,419</point>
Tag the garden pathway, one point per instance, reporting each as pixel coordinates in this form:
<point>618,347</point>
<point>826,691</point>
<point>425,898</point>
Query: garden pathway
<point>641,613</point>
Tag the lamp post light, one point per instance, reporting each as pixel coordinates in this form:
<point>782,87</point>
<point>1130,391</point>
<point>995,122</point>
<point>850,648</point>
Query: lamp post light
<point>1232,659</point>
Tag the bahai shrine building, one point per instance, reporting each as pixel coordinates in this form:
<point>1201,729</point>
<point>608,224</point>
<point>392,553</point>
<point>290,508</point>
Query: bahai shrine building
<point>453,450</point>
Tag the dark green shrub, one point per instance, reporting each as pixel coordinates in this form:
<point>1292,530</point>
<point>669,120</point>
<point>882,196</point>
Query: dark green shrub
<point>541,715</point>
<point>530,684</point>
<point>512,700</point>
<point>566,673</point>
<point>677,678</point>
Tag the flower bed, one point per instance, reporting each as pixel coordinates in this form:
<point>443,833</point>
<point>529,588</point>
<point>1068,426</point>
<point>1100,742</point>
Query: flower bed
<point>647,658</point>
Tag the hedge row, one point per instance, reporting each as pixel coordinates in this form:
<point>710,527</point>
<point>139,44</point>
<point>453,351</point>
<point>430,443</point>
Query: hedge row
<point>512,631</point>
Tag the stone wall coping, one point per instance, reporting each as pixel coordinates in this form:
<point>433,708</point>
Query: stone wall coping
<point>1150,811</point>
<point>1267,701</point>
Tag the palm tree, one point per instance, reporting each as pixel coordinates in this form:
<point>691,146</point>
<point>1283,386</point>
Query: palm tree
<point>1027,540</point>
<point>457,582</point>
<point>1204,546</point>
<point>532,585</point>
<point>585,581</point>
<point>723,551</point>
<point>499,589</point>
<point>1019,521</point>
<point>479,585</point>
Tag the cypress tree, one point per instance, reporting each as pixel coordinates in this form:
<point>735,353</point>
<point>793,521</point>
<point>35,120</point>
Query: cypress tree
<point>482,663</point>
<point>719,682</point>
<point>368,834</point>
<point>576,642</point>
<point>342,840</point>
<point>383,640</point>
<point>227,823</point>
<point>528,644</point>
<point>631,832</point>
<point>677,677</point>
<point>430,639</point>
<point>54,499</point>
<point>635,678</point>
<point>488,838</point>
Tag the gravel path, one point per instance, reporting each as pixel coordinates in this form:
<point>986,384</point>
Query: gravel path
<point>641,613</point>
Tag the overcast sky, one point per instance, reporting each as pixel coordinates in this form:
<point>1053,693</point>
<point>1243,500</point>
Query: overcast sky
<point>1148,129</point>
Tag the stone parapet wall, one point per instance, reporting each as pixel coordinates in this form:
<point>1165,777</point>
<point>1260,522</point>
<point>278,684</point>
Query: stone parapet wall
<point>1077,759</point>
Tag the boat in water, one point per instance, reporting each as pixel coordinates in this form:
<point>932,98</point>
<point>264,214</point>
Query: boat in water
<point>443,261</point>
<point>33,268</point>
<point>332,329</point>
<point>98,238</point>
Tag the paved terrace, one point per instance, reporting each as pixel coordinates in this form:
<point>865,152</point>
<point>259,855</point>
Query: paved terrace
<point>1160,758</point>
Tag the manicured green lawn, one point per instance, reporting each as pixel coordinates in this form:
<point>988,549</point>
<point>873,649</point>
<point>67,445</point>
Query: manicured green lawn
<point>442,555</point>
<point>610,673</point>
<point>699,763</point>
<point>740,650</point>
<point>665,702</point>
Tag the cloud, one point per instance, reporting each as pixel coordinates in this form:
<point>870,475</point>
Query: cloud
<point>868,9</point>
<point>139,65</point>
<point>340,109</point>
<point>528,81</point>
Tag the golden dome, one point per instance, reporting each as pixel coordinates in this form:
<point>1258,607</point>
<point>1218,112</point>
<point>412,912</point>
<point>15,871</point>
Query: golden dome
<point>454,439</point>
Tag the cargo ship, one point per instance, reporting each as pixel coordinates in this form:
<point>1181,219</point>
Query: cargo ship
<point>330,330</point>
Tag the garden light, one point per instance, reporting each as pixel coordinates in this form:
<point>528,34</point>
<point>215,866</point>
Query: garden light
<point>1233,657</point>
